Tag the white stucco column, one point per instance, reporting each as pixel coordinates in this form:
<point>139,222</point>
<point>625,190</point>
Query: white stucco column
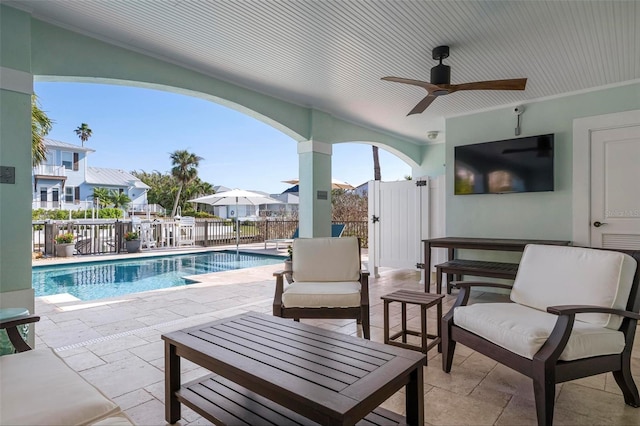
<point>16,87</point>
<point>314,159</point>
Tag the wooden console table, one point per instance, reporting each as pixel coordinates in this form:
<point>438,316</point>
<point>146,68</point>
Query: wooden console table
<point>478,268</point>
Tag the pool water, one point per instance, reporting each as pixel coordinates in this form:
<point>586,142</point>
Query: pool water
<point>97,280</point>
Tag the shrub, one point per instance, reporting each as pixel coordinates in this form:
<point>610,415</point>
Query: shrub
<point>131,235</point>
<point>65,238</point>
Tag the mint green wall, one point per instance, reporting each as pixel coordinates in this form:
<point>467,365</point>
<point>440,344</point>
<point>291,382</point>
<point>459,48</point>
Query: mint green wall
<point>546,215</point>
<point>432,161</point>
<point>15,27</point>
<point>15,151</point>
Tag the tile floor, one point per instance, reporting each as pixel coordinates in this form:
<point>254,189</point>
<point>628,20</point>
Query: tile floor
<point>115,344</point>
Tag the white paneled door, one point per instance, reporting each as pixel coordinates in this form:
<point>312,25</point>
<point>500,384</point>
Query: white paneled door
<point>615,188</point>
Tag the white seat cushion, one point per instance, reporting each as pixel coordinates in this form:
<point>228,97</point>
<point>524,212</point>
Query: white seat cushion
<point>524,330</point>
<point>39,388</point>
<point>326,259</point>
<point>322,295</point>
<point>557,275</point>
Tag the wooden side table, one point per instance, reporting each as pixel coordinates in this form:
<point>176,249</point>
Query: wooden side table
<point>426,301</point>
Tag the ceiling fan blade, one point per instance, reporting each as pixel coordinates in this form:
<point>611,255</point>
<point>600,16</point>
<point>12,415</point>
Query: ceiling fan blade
<point>428,86</point>
<point>513,84</point>
<point>422,105</point>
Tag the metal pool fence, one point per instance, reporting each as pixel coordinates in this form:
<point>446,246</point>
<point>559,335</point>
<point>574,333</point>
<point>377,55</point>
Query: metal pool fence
<point>103,236</point>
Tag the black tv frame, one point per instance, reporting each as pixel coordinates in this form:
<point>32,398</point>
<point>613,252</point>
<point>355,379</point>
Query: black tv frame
<point>527,164</point>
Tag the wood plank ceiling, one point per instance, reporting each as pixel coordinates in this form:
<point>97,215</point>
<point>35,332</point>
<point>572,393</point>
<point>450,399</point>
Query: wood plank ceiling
<point>331,54</point>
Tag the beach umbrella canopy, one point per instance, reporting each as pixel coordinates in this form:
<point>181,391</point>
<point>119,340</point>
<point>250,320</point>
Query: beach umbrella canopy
<point>235,197</point>
<point>335,183</point>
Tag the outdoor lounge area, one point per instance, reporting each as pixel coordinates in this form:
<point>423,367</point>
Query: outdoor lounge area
<point>115,345</point>
<point>529,130</point>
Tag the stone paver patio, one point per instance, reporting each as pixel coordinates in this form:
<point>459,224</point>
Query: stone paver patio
<point>115,344</point>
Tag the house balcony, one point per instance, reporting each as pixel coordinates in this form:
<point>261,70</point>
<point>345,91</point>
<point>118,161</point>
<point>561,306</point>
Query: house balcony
<point>47,171</point>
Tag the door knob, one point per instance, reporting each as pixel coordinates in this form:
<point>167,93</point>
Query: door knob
<point>598,224</point>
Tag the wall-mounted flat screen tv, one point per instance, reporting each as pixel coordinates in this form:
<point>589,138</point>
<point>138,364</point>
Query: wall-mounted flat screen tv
<point>507,166</point>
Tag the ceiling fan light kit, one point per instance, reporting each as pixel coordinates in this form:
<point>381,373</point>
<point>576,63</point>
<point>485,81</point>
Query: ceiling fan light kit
<point>440,84</point>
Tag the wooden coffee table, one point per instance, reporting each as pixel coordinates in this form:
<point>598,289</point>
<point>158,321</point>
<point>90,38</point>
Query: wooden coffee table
<point>273,370</point>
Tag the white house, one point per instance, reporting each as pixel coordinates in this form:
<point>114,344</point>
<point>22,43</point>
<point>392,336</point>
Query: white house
<point>65,181</point>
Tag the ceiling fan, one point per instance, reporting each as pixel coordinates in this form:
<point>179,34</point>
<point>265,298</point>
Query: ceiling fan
<point>441,82</point>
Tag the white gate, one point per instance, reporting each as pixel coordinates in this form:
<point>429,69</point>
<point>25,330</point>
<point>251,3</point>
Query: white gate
<point>399,221</point>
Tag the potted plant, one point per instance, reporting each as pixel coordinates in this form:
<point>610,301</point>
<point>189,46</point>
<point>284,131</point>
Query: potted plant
<point>288,265</point>
<point>132,241</point>
<point>64,244</point>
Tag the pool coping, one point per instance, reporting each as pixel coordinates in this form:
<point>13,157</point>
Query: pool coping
<point>54,261</point>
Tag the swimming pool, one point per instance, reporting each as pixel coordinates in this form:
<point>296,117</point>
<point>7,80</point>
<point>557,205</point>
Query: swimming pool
<point>97,280</point>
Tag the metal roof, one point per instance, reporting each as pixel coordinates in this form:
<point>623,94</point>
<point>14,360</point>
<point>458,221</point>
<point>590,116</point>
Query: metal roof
<point>330,55</point>
<point>65,145</point>
<point>113,177</point>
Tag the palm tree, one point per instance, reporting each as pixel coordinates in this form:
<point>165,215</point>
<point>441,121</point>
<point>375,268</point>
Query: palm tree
<point>119,199</point>
<point>84,132</point>
<point>184,170</point>
<point>40,126</point>
<point>376,164</point>
<point>101,196</point>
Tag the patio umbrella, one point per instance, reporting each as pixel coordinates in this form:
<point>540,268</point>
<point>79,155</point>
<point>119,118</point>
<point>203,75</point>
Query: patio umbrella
<point>335,183</point>
<point>235,197</point>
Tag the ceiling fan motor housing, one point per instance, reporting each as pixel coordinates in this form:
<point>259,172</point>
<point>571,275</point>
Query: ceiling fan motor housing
<point>441,74</point>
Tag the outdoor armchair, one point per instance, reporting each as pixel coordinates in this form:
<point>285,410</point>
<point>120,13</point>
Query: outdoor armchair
<point>573,314</point>
<point>327,282</point>
<point>39,388</point>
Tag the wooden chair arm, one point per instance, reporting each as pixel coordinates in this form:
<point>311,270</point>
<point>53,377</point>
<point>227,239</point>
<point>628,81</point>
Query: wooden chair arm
<point>364,288</point>
<point>461,284</point>
<point>14,322</point>
<point>11,325</point>
<point>588,309</point>
<point>555,344</point>
<point>277,298</point>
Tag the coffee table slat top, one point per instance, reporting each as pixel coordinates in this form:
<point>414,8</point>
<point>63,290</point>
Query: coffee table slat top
<point>286,360</point>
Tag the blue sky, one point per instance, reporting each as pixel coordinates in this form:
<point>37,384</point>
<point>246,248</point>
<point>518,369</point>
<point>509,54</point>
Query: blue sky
<point>136,129</point>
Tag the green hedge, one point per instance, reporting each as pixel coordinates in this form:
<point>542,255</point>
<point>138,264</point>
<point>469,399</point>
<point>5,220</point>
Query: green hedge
<point>42,214</point>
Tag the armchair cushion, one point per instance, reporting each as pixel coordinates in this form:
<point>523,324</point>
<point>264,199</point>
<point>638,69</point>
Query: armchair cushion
<point>524,330</point>
<point>38,388</point>
<point>334,294</point>
<point>326,259</point>
<point>559,275</point>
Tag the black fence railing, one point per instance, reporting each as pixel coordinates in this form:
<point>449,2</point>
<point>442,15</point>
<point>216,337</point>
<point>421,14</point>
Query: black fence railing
<point>107,236</point>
